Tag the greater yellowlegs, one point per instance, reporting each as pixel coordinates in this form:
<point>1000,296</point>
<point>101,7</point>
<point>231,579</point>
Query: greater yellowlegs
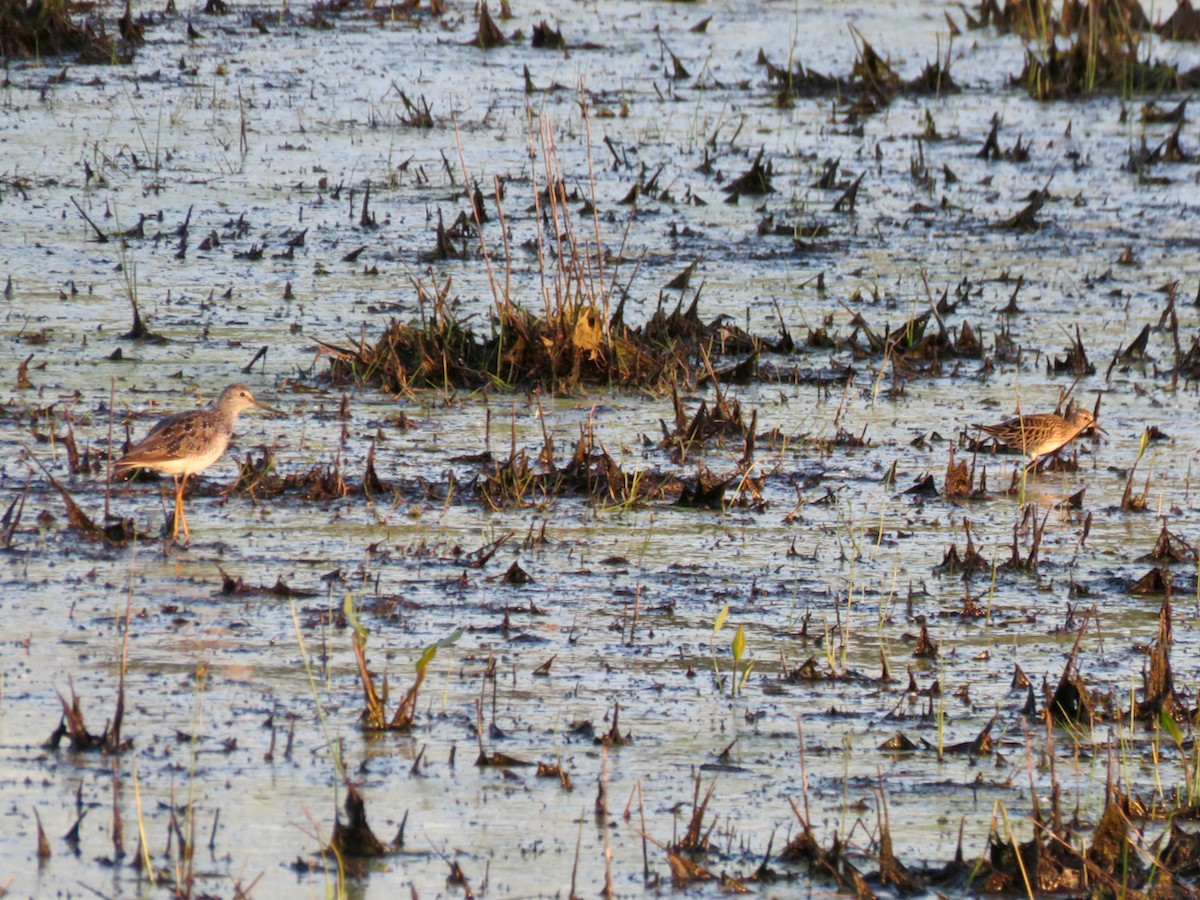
<point>189,442</point>
<point>1041,434</point>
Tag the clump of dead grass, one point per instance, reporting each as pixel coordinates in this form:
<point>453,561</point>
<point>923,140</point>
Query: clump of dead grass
<point>1078,48</point>
<point>33,29</point>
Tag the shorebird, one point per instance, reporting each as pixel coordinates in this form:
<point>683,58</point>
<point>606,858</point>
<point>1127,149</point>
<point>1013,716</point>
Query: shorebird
<point>189,442</point>
<point>1041,434</point>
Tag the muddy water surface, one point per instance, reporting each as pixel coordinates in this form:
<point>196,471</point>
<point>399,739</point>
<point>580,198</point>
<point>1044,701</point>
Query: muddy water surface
<point>243,704</point>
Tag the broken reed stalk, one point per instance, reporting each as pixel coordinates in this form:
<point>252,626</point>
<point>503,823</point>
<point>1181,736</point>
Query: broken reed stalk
<point>587,130</point>
<point>406,713</point>
<point>574,284</point>
<point>645,846</point>
<point>11,519</point>
<point>941,720</point>
<point>537,219</point>
<point>334,746</point>
<point>504,238</point>
<point>1129,503</point>
<point>374,716</point>
<point>803,769</point>
<point>144,861</point>
<point>187,848</point>
<point>1012,842</point>
<point>476,213</point>
<point>43,844</point>
<point>609,890</point>
<point>112,399</point>
<point>636,791</point>
<point>571,895</point>
<point>117,830</point>
<point>696,838</point>
<point>185,874</point>
<point>560,217</point>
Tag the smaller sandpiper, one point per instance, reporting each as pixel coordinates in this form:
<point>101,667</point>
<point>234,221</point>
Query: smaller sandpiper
<point>189,442</point>
<point>1041,434</point>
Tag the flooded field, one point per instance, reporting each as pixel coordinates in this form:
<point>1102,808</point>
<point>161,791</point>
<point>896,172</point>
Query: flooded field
<point>626,527</point>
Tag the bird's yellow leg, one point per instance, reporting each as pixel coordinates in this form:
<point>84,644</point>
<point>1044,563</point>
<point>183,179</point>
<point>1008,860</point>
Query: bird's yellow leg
<point>175,517</point>
<point>180,517</point>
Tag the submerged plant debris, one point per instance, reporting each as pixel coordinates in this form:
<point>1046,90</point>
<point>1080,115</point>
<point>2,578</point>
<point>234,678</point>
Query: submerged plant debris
<point>633,354</point>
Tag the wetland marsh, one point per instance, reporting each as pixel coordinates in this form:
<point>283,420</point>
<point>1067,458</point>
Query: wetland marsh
<point>633,360</point>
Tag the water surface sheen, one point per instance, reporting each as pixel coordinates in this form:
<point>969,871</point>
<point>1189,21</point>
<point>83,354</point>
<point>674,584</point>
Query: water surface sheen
<point>243,707</point>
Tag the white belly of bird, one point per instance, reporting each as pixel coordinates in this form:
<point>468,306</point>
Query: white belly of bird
<point>190,465</point>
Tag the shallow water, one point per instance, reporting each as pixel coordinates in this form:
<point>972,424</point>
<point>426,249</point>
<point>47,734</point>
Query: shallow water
<point>623,599</point>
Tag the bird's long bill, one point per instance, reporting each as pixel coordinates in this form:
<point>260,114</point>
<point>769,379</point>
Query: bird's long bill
<point>270,409</point>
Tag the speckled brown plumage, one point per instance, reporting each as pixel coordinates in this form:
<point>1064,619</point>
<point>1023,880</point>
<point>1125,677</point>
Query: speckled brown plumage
<point>1040,434</point>
<point>189,442</point>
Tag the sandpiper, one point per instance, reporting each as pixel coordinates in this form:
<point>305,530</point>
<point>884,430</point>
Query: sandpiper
<point>189,442</point>
<point>1041,434</point>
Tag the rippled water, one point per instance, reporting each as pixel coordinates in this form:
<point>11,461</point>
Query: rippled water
<point>241,705</point>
